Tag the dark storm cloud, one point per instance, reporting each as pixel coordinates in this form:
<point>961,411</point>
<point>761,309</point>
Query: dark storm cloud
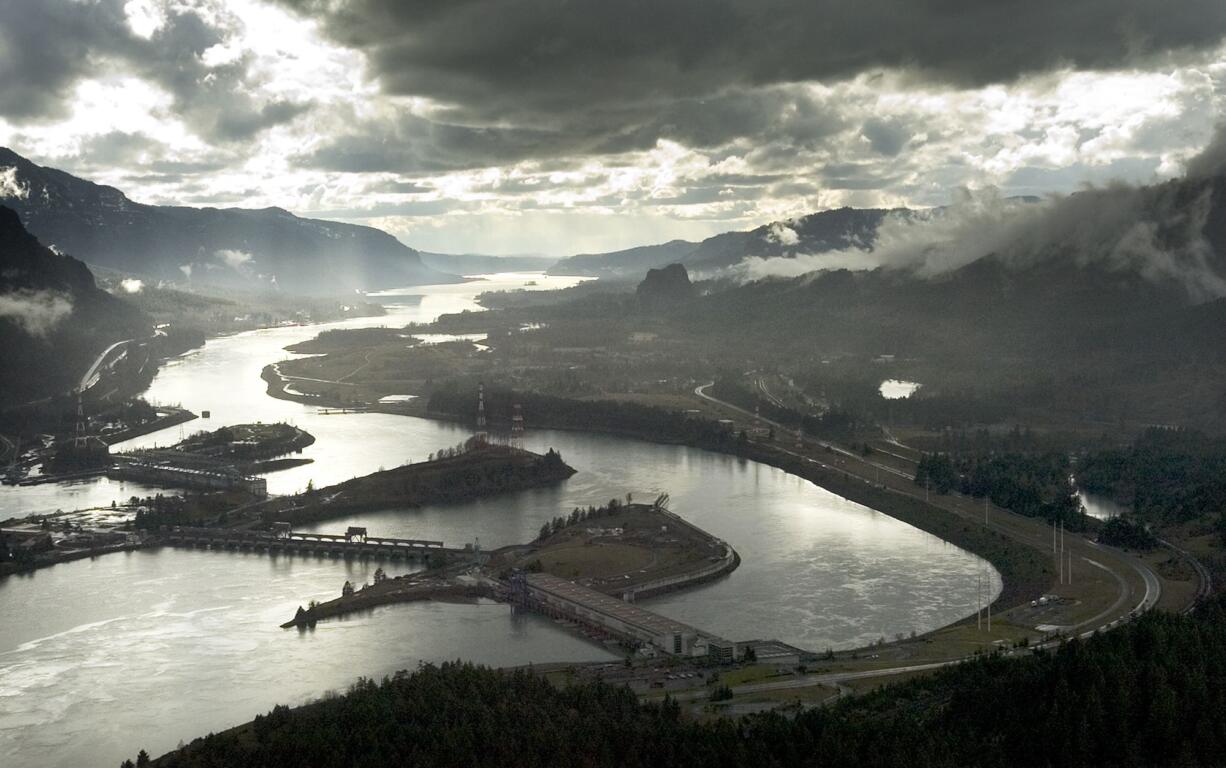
<point>855,176</point>
<point>744,179</point>
<point>704,195</point>
<point>1211,161</point>
<point>534,58</point>
<point>399,187</point>
<point>245,122</point>
<point>886,137</point>
<point>416,145</point>
<point>413,144</point>
<point>47,46</point>
<point>145,158</point>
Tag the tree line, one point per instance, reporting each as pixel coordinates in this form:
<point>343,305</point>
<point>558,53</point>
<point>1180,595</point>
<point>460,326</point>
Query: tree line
<point>578,515</point>
<point>1030,484</point>
<point>458,400</point>
<point>1150,693</point>
<point>1167,476</point>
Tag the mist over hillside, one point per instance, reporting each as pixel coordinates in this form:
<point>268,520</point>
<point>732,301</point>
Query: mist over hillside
<point>270,247</point>
<point>826,230</point>
<point>480,264</point>
<point>53,318</point>
<point>1173,232</point>
<point>1169,232</point>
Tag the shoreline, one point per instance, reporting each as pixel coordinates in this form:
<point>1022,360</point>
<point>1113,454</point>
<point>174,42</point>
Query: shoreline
<point>1021,579</point>
<point>58,558</point>
<point>458,581</point>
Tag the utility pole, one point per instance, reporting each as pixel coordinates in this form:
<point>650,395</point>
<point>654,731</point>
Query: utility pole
<point>517,427</point>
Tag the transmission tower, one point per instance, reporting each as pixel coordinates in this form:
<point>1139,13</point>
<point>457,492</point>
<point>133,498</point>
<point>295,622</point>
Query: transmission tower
<point>82,425</point>
<point>517,427</point>
<point>482,433</point>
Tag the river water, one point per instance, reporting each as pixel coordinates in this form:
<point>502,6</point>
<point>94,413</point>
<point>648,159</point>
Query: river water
<point>101,658</point>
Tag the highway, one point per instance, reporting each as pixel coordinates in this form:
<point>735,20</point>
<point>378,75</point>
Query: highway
<point>1205,585</point>
<point>701,392</point>
<point>1019,529</point>
<point>805,681</point>
<point>93,374</point>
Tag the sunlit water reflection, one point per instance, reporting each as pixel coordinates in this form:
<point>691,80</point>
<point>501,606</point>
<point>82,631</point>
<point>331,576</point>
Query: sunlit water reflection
<point>99,658</point>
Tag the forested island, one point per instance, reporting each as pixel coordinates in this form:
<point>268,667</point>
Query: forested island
<point>471,470</point>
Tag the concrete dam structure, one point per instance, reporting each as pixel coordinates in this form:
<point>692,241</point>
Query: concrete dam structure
<point>354,543</point>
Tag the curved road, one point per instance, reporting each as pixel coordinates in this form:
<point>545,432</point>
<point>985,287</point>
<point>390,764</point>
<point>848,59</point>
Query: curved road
<point>1099,623</point>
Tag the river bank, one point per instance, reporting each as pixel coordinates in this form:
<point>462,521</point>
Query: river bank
<point>400,589</point>
<point>625,551</point>
<point>463,474</point>
<point>58,556</point>
<point>1024,573</point>
<point>459,474</point>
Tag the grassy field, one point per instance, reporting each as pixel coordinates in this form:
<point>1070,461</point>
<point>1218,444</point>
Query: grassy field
<point>754,673</point>
<point>620,550</point>
<point>597,560</point>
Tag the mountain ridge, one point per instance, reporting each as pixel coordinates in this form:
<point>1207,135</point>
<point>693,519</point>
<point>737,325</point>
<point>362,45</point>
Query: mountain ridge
<point>219,246</point>
<point>834,229</point>
<point>53,317</point>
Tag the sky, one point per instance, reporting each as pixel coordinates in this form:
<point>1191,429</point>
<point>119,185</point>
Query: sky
<point>570,126</point>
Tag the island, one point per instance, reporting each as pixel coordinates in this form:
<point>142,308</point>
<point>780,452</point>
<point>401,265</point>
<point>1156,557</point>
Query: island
<point>586,569</point>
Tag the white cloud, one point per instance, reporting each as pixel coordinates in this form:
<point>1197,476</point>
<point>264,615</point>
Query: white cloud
<point>1073,126</point>
<point>131,285</point>
<point>781,233</point>
<point>186,269</point>
<point>1115,227</point>
<point>233,258</point>
<point>145,16</point>
<point>36,312</point>
<point>11,186</point>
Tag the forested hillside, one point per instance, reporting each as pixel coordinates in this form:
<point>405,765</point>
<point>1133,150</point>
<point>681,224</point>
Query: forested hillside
<point>1152,693</point>
<point>53,318</point>
<point>815,233</point>
<point>270,247</point>
<point>1166,477</point>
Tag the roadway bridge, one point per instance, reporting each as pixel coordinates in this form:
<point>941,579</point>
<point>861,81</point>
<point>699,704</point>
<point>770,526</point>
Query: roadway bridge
<point>354,543</point>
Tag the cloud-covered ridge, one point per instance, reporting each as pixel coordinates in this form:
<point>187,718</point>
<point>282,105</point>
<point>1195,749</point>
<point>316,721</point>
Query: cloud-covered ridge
<point>1157,231</point>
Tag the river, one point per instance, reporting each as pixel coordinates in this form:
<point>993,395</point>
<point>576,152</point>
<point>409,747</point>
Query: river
<point>101,658</point>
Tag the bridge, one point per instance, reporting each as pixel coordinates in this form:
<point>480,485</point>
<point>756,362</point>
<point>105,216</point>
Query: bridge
<point>354,543</point>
